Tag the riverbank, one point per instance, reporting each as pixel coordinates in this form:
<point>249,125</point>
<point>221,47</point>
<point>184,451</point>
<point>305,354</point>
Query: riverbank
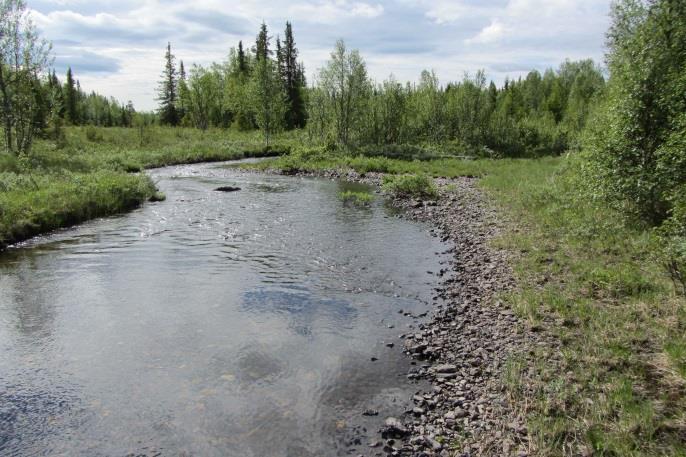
<point>95,172</point>
<point>560,332</point>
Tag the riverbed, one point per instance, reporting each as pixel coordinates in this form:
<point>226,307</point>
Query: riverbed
<point>261,322</point>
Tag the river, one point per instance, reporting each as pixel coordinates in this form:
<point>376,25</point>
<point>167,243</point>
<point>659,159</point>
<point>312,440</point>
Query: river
<point>251,323</point>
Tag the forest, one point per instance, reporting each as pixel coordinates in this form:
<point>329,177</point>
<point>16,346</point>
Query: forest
<point>587,159</point>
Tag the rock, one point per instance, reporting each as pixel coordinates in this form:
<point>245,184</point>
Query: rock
<point>393,428</point>
<point>227,189</point>
<point>445,368</point>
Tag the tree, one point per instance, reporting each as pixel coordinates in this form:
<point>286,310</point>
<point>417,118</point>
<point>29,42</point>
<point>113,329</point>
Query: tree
<point>262,44</point>
<point>292,76</point>
<point>167,91</point>
<point>71,99</point>
<point>266,90</point>
<point>345,87</point>
<point>24,57</point>
<point>182,96</point>
<point>242,60</point>
<point>636,144</point>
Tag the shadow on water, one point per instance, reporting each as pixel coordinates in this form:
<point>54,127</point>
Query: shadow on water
<point>301,307</point>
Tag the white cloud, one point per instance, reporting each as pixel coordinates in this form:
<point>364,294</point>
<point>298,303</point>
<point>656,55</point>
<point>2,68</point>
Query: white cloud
<point>332,11</point>
<point>490,34</point>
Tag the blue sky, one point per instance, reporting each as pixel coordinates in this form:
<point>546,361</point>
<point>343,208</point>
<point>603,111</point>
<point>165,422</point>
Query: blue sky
<point>118,48</point>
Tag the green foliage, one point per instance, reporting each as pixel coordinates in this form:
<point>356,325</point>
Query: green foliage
<point>410,186</point>
<point>339,101</point>
<point>268,98</point>
<point>37,203</point>
<point>635,147</point>
<point>24,57</point>
<point>636,143</point>
<point>354,198</point>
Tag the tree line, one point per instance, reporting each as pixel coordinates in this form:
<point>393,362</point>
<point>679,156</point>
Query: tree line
<point>264,88</point>
<point>536,115</point>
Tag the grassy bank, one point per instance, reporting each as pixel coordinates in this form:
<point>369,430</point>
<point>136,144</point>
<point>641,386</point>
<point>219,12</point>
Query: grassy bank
<point>617,387</point>
<point>93,172</point>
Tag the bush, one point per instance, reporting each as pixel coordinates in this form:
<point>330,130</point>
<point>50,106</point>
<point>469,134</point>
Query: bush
<point>356,198</point>
<point>635,145</point>
<point>410,186</point>
<point>94,135</point>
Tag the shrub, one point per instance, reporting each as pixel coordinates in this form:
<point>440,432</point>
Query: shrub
<point>635,145</point>
<point>356,198</point>
<point>410,186</point>
<point>93,134</point>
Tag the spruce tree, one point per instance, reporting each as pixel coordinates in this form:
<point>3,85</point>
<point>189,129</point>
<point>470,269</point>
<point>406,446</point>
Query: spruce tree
<point>242,60</point>
<point>182,90</point>
<point>262,43</point>
<point>70,99</point>
<point>166,92</point>
<point>293,79</point>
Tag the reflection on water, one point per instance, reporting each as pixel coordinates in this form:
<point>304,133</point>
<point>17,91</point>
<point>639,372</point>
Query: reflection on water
<point>213,323</point>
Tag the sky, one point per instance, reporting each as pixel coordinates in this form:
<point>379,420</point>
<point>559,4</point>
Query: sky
<point>117,48</point>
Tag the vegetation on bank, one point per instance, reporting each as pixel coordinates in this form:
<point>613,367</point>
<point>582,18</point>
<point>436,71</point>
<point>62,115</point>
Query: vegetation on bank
<point>96,172</point>
<point>410,186</point>
<point>618,385</point>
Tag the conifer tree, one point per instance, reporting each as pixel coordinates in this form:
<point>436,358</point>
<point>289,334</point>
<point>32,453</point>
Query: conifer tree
<point>70,99</point>
<point>292,75</point>
<point>167,91</point>
<point>182,92</point>
<point>262,43</point>
<point>242,60</point>
<point>267,92</point>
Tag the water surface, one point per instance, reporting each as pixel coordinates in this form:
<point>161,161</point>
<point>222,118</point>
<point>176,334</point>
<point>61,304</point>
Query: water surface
<point>211,324</point>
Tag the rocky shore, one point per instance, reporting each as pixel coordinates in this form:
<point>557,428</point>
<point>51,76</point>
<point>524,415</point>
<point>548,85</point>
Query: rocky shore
<point>463,348</point>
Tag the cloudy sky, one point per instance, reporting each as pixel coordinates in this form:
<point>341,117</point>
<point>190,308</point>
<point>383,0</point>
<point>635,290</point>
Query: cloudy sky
<point>117,48</point>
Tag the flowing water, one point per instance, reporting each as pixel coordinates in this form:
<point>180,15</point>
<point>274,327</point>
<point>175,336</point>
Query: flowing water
<point>212,324</point>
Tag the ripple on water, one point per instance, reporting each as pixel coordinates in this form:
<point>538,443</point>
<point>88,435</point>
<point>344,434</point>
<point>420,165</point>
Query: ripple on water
<point>210,324</point>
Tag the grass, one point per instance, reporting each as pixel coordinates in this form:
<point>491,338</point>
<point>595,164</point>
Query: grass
<point>314,160</point>
<point>354,198</point>
<point>410,186</point>
<point>617,387</point>
<point>95,172</point>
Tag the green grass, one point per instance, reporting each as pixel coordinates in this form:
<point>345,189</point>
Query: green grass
<point>95,172</point>
<point>360,199</point>
<point>50,201</point>
<point>316,160</point>
<point>410,186</point>
<point>618,386</point>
